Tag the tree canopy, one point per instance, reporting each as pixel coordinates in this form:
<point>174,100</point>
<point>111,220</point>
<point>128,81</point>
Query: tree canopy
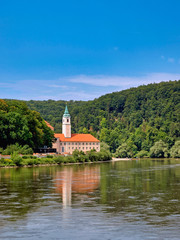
<point>19,124</point>
<point>138,117</point>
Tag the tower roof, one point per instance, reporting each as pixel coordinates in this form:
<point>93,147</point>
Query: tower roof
<point>66,112</point>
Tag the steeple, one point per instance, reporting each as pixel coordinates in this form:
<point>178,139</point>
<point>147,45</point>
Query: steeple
<point>66,112</point>
<point>66,123</point>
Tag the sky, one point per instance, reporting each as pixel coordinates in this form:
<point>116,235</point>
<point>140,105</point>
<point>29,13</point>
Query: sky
<point>80,50</point>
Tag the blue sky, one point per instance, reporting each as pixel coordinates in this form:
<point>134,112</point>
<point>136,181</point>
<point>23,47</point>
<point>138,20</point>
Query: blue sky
<point>81,50</point>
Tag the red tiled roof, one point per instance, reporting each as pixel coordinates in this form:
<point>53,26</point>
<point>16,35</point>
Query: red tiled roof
<point>76,138</point>
<point>49,125</point>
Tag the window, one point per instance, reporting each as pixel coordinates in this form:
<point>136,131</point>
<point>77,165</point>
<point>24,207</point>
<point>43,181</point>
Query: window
<point>79,148</point>
<point>60,143</point>
<point>72,143</point>
<point>67,120</point>
<point>76,143</point>
<point>96,143</point>
<point>82,143</point>
<point>89,143</point>
<point>69,147</point>
<point>83,147</point>
<point>86,143</point>
<point>79,143</point>
<point>64,143</point>
<point>93,143</point>
<point>86,147</point>
<point>90,148</point>
<point>72,147</point>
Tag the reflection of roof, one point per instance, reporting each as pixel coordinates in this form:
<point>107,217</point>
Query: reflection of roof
<point>81,181</point>
<point>49,125</point>
<point>76,138</point>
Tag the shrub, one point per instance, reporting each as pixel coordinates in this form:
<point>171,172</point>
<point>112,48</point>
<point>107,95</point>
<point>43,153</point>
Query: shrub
<point>175,150</point>
<point>59,159</point>
<point>159,150</point>
<point>17,148</point>
<point>29,156</point>
<point>16,159</point>
<point>142,153</point>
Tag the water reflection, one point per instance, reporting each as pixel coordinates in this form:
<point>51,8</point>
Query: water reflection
<point>72,181</point>
<point>118,196</point>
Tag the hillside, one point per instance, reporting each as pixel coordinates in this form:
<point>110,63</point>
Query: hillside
<point>139,116</point>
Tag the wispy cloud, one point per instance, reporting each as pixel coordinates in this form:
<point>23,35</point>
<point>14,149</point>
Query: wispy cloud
<point>124,81</point>
<point>81,87</point>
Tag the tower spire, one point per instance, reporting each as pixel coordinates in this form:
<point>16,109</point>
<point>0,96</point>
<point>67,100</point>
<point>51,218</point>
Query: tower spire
<point>66,112</point>
<point>66,123</point>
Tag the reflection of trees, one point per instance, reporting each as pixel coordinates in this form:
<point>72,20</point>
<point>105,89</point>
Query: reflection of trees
<point>143,187</point>
<point>22,189</point>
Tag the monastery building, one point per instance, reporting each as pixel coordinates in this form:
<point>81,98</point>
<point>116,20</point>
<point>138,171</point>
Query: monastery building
<point>67,142</point>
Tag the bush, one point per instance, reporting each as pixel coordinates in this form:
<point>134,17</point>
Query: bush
<point>29,156</point>
<point>17,148</point>
<point>17,160</point>
<point>59,159</point>
<point>159,150</point>
<point>142,154</point>
<point>175,150</point>
<point>6,162</point>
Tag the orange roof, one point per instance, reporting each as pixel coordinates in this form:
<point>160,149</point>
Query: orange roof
<point>49,125</point>
<point>76,138</point>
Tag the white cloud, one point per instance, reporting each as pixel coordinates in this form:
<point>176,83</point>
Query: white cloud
<point>124,81</point>
<point>162,57</point>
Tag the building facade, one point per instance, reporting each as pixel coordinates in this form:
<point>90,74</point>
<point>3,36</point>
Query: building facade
<point>67,142</point>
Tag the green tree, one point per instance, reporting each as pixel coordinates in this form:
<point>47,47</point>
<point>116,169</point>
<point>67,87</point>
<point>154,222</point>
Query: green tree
<point>159,150</point>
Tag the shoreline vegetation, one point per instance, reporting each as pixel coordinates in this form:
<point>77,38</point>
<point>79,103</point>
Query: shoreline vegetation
<point>16,160</point>
<point>22,156</point>
<point>140,122</point>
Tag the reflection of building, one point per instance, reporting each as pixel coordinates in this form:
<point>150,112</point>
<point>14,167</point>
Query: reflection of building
<point>70,181</point>
<point>67,142</point>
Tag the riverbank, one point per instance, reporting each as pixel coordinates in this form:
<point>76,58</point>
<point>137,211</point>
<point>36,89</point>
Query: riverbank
<point>77,158</point>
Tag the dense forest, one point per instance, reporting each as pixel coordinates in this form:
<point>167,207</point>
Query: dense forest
<point>21,126</point>
<point>132,122</point>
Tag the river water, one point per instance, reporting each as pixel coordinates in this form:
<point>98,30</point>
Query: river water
<point>118,200</point>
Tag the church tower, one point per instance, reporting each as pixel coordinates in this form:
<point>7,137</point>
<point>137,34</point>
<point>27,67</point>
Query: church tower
<point>66,124</point>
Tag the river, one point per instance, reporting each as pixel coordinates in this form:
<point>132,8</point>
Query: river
<point>138,199</point>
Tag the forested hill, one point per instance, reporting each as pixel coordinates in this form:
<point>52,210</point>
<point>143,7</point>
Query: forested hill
<point>137,116</point>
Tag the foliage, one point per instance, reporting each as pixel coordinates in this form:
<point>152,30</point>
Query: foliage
<point>19,124</point>
<point>159,150</point>
<point>17,160</point>
<point>142,154</point>
<point>175,150</point>
<point>142,116</point>
<point>138,117</point>
<point>17,148</point>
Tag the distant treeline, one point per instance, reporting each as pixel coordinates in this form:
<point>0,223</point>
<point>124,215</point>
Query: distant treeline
<point>132,120</point>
